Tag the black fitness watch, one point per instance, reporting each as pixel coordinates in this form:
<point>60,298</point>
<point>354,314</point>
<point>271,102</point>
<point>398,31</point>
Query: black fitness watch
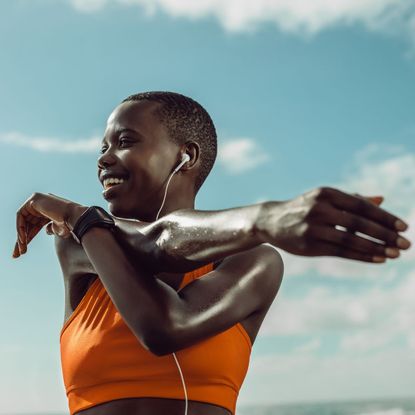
<point>93,216</point>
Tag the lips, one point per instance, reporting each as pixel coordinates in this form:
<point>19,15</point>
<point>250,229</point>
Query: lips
<point>112,190</point>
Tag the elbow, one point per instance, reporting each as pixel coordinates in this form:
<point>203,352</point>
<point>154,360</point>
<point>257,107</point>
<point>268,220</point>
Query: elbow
<point>161,346</point>
<point>160,349</point>
<point>158,340</point>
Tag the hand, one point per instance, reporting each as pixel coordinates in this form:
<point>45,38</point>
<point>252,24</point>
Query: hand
<point>38,210</point>
<point>307,225</point>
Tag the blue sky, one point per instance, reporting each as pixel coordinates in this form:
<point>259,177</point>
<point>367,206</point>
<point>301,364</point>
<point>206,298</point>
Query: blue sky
<point>302,95</point>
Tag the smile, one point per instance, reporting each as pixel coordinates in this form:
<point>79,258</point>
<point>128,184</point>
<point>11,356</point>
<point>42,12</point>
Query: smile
<point>112,189</point>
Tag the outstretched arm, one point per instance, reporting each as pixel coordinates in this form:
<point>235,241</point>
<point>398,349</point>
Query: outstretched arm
<point>307,225</point>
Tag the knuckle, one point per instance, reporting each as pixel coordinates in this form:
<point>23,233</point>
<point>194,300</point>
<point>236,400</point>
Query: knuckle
<point>322,192</point>
<point>316,193</point>
<point>319,194</point>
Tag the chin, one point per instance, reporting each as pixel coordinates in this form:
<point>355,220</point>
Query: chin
<point>114,209</point>
<point>119,211</point>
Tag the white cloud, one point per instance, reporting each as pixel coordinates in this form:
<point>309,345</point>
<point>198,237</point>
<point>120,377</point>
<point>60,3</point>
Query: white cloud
<point>386,171</point>
<point>240,154</point>
<point>49,144</point>
<point>292,16</point>
<point>310,346</point>
<point>366,320</point>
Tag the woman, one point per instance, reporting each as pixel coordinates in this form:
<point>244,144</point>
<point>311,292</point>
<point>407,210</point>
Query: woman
<point>135,344</point>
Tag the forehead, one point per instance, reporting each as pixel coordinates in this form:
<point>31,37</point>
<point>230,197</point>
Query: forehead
<point>135,115</point>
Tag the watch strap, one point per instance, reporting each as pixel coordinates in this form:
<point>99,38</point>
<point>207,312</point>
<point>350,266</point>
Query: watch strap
<point>94,216</point>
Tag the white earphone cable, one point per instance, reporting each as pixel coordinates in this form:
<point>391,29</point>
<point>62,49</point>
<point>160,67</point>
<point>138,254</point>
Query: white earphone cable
<point>184,159</point>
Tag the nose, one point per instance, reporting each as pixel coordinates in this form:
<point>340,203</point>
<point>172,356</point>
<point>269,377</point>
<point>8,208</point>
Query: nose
<point>105,160</point>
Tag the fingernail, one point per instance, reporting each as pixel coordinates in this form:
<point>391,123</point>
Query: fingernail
<point>379,259</point>
<point>403,243</point>
<point>392,252</point>
<point>401,226</point>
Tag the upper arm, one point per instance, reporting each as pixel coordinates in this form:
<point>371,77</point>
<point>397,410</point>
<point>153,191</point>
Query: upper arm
<point>61,252</point>
<point>242,284</point>
<point>72,257</point>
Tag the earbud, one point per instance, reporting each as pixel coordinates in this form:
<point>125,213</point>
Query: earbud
<point>185,157</point>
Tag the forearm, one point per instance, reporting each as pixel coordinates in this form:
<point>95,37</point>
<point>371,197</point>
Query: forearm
<point>187,239</point>
<point>145,303</point>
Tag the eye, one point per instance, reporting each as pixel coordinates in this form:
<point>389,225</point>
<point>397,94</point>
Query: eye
<point>122,141</point>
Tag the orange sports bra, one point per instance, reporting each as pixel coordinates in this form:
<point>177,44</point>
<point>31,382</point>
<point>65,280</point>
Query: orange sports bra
<point>102,360</point>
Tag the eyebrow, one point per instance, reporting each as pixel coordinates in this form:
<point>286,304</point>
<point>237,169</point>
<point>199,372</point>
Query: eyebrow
<point>123,130</point>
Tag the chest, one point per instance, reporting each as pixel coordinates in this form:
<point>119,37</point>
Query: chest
<point>80,275</point>
<point>77,285</point>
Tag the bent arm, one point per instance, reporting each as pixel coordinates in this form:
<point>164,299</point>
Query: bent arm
<point>154,311</point>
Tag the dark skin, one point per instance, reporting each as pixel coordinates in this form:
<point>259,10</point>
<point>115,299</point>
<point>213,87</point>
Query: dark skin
<point>246,281</point>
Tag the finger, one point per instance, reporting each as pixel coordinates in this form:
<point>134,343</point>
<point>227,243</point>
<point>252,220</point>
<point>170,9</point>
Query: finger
<point>377,200</point>
<point>355,223</point>
<point>362,207</point>
<point>16,252</point>
<point>21,229</point>
<point>343,252</point>
<point>22,243</point>
<point>33,232</point>
<point>350,241</point>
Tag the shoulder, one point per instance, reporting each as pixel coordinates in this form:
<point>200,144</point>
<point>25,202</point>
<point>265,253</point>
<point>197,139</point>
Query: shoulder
<point>270,251</point>
<point>273,270</point>
<point>263,268</point>
<point>269,256</point>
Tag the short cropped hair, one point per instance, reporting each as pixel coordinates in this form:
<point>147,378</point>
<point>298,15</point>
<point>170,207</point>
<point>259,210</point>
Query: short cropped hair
<point>185,119</point>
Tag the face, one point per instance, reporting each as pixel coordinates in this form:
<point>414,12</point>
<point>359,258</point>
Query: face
<point>136,146</point>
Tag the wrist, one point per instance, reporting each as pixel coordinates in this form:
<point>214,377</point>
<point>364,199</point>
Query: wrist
<point>260,227</point>
<point>255,223</point>
<point>73,213</point>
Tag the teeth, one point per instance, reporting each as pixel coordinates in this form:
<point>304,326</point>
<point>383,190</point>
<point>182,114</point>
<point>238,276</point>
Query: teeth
<point>112,181</point>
